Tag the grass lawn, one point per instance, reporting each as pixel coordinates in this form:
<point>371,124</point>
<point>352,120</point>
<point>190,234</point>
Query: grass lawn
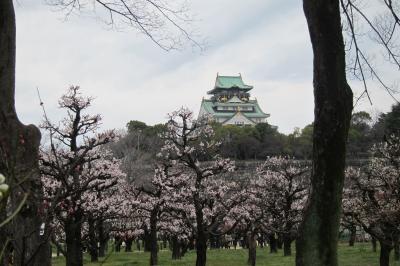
<point>359,255</point>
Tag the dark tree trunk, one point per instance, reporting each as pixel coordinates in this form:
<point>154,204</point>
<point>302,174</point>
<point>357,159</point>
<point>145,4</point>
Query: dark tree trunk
<point>201,248</point>
<point>384,257</point>
<point>128,245</point>
<point>93,250</point>
<point>191,243</point>
<point>373,241</point>
<point>153,238</point>
<point>184,247</point>
<point>118,243</point>
<point>146,240</point>
<point>318,238</point>
<point>19,155</point>
<point>103,248</point>
<point>73,239</point>
<point>352,239</point>
<point>252,249</point>
<point>287,245</point>
<point>176,250</point>
<point>279,242</point>
<point>103,238</point>
<point>272,244</point>
<point>201,236</point>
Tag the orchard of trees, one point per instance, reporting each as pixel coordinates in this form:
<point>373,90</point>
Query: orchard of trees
<point>183,192</point>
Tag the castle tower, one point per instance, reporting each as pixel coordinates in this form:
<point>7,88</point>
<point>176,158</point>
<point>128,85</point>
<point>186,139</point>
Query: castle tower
<point>230,103</point>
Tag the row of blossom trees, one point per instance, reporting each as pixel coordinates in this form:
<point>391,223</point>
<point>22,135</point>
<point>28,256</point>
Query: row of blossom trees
<point>192,198</point>
<point>372,197</point>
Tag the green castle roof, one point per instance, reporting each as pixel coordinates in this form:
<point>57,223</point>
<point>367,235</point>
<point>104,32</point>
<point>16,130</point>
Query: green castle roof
<point>229,82</point>
<point>209,105</point>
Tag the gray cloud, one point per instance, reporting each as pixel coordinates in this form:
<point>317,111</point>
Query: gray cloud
<point>131,78</point>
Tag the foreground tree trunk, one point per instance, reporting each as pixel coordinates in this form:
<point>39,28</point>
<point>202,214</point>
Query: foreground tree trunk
<point>19,155</point>
<point>318,238</point>
<point>73,239</point>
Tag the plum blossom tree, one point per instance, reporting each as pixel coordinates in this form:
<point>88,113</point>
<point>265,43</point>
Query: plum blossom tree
<point>276,200</point>
<point>102,203</point>
<point>373,196</point>
<point>74,168</point>
<point>285,182</point>
<point>253,214</point>
<point>154,199</point>
<point>207,198</point>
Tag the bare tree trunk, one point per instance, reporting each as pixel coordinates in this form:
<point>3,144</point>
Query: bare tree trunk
<point>93,250</point>
<point>384,257</point>
<point>201,236</point>
<point>73,228</point>
<point>272,244</point>
<point>146,240</point>
<point>252,249</point>
<point>318,238</point>
<point>153,238</point>
<point>201,248</point>
<point>279,242</point>
<point>176,249</point>
<point>103,237</point>
<point>19,154</point>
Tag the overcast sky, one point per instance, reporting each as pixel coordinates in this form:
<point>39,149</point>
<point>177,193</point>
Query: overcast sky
<point>133,79</point>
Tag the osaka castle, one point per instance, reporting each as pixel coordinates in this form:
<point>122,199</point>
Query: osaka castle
<point>230,103</point>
